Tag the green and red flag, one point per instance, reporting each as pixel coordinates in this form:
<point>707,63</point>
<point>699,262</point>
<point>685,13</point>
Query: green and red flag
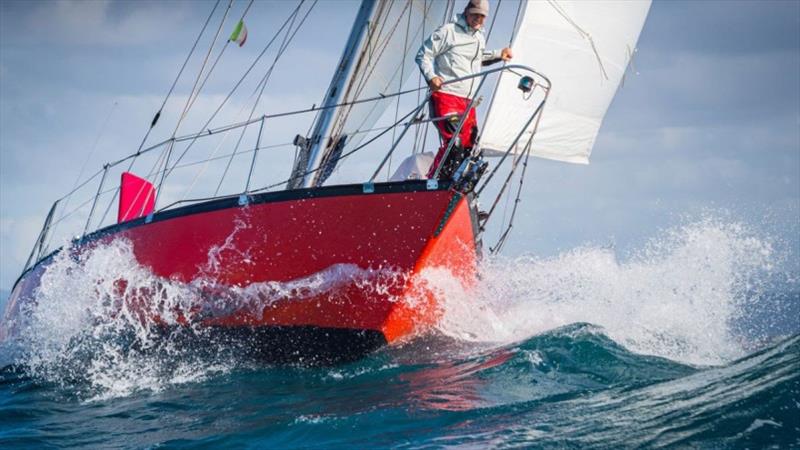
<point>239,34</point>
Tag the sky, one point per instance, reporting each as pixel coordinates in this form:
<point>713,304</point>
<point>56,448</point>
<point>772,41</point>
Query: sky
<point>707,123</point>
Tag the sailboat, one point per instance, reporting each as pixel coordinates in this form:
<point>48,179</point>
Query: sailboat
<point>303,270</point>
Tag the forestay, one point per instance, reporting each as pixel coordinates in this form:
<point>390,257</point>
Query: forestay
<point>382,62</point>
<point>584,48</point>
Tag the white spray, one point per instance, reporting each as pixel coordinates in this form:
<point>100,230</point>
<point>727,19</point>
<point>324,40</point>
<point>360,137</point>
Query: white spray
<point>676,298</point>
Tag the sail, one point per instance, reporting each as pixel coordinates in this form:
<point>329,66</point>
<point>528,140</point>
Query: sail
<point>584,48</point>
<point>382,59</point>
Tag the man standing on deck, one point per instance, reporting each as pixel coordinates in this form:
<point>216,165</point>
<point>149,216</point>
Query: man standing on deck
<point>456,50</point>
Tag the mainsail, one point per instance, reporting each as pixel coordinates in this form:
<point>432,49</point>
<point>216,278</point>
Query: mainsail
<point>377,60</point>
<point>584,48</point>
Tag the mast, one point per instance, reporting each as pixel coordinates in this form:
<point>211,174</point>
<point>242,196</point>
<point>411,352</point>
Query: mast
<point>312,152</point>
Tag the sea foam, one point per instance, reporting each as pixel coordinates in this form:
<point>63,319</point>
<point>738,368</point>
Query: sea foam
<point>679,297</point>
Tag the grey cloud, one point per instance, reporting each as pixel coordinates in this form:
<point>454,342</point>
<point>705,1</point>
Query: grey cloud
<point>723,26</point>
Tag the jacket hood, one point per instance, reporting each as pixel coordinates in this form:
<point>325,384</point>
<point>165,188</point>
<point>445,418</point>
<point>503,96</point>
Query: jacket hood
<point>461,20</point>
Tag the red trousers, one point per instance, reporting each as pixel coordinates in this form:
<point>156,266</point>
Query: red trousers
<point>444,104</point>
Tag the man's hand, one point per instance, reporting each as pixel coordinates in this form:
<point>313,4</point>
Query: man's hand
<point>506,54</point>
<point>435,83</point>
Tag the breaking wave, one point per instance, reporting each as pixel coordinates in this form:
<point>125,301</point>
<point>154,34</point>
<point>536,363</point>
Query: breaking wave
<point>688,295</point>
<point>98,320</point>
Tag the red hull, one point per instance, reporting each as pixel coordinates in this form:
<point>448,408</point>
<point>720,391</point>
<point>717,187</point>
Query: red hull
<point>387,237</point>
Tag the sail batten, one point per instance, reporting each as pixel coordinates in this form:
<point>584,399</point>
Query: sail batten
<point>584,48</point>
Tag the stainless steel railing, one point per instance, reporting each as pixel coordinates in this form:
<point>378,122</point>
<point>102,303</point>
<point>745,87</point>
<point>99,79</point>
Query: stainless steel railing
<point>42,246</point>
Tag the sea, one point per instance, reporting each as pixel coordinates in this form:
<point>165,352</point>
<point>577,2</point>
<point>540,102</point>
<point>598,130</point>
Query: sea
<point>691,341</point>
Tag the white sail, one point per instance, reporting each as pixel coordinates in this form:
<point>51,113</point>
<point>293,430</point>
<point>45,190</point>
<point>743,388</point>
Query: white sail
<point>381,64</point>
<point>584,48</point>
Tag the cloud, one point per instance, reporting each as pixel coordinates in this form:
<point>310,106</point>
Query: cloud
<point>103,22</point>
<point>716,27</point>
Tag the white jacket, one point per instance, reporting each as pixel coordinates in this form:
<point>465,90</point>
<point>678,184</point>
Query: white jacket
<point>455,50</point>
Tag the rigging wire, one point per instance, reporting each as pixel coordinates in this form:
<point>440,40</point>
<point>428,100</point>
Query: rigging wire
<point>166,98</point>
<point>219,56</point>
<point>202,69</point>
<point>517,199</point>
<point>100,133</point>
<point>516,23</point>
<point>494,18</point>
<point>420,80</point>
<point>175,82</point>
<point>419,73</point>
<point>236,86</point>
<point>262,84</point>
<point>287,39</point>
<point>343,155</point>
<point>400,84</point>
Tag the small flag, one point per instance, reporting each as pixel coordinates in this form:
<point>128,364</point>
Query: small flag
<point>239,34</point>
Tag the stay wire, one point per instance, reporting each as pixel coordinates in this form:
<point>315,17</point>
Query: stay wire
<point>344,155</point>
<point>188,104</point>
<point>288,38</point>
<point>494,18</point>
<point>219,56</point>
<point>100,133</point>
<point>419,74</point>
<point>236,86</point>
<point>160,109</point>
<point>262,84</point>
<point>399,87</point>
<point>499,246</point>
<point>180,72</point>
<point>183,114</point>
